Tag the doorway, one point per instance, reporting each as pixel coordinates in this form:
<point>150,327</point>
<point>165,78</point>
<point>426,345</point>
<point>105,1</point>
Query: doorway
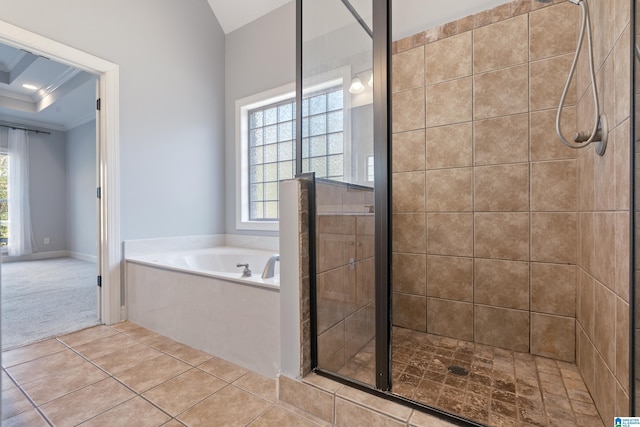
<point>108,254</point>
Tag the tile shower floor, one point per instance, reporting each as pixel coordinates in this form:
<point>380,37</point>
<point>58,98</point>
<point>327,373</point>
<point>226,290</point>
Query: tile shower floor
<point>127,375</point>
<point>502,388</point>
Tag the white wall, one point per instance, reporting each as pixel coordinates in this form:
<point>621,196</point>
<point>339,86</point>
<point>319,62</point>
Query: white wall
<point>81,189</point>
<point>414,16</point>
<point>259,56</point>
<point>171,58</point>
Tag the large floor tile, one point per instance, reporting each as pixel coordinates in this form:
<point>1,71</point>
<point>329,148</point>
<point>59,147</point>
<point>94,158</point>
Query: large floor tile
<point>6,381</point>
<point>26,419</point>
<point>140,333</point>
<point>86,403</point>
<point>164,344</point>
<point>87,335</point>
<point>126,358</point>
<point>257,384</point>
<point>184,391</point>
<point>31,352</point>
<point>191,355</point>
<point>14,403</point>
<point>222,369</point>
<point>39,368</point>
<point>227,408</point>
<point>276,416</point>
<point>173,423</point>
<point>152,372</point>
<point>135,412</point>
<point>103,346</point>
<point>51,387</point>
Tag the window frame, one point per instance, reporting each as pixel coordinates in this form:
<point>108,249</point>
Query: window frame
<point>5,249</point>
<point>243,106</point>
<point>276,95</point>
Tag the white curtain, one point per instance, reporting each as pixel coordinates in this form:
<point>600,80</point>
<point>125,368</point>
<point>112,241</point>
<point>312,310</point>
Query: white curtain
<point>21,240</point>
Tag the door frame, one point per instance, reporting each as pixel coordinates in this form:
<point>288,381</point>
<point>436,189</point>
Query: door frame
<point>107,123</point>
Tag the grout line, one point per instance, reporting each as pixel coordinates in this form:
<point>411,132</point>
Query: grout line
<point>24,393</point>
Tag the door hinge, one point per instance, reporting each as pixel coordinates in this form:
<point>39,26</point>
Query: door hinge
<point>99,281</point>
<point>98,104</point>
<point>99,192</point>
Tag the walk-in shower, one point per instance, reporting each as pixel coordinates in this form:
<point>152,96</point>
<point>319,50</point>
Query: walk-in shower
<point>490,281</point>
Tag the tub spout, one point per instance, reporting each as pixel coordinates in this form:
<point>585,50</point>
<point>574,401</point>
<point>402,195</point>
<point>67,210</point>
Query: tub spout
<point>269,268</point>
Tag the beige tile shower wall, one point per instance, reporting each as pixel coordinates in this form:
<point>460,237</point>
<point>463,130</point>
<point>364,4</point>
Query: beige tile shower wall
<point>485,198</point>
<point>345,281</point>
<point>602,331</point>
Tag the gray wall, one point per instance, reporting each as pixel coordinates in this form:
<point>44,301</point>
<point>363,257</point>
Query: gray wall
<point>171,58</point>
<point>47,179</point>
<point>259,56</point>
<point>81,189</point>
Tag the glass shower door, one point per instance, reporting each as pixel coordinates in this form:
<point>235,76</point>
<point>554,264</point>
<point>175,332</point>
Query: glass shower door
<point>337,145</point>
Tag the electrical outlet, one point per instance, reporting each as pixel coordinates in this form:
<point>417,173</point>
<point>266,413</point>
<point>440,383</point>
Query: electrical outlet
<point>46,241</point>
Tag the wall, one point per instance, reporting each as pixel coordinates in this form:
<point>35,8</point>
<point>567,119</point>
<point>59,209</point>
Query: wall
<point>47,186</point>
<point>484,196</point>
<point>47,174</point>
<point>258,57</point>
<point>81,189</point>
<point>171,58</point>
<point>603,201</point>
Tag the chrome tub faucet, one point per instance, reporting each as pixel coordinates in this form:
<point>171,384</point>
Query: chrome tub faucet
<point>270,266</point>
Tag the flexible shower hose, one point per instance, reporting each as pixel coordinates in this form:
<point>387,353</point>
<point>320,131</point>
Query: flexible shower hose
<point>584,28</point>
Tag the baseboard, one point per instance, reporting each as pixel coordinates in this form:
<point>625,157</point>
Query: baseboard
<point>82,257</point>
<point>36,256</point>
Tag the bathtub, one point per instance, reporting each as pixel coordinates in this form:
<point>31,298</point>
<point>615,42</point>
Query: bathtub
<point>217,262</point>
<point>200,298</point>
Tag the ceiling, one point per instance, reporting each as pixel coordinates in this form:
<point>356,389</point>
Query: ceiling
<point>63,97</point>
<point>409,16</point>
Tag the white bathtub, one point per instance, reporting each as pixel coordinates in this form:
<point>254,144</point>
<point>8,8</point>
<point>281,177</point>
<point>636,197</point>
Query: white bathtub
<point>200,299</point>
<point>220,262</point>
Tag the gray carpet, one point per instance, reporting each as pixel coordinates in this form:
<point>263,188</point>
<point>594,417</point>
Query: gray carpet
<point>44,298</point>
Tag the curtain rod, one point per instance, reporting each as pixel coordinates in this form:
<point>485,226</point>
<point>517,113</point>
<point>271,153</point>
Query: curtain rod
<point>28,130</point>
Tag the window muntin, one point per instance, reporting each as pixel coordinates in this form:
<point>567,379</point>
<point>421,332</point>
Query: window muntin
<point>271,146</point>
<point>370,169</point>
<point>271,156</point>
<point>323,134</point>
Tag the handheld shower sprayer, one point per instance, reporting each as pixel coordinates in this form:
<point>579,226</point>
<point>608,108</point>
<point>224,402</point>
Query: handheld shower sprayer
<point>598,133</point>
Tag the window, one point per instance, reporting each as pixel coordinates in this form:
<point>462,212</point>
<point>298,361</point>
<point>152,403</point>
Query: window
<point>272,147</point>
<point>370,169</point>
<point>266,147</point>
<point>4,205</point>
<point>322,134</point>
<point>271,156</point>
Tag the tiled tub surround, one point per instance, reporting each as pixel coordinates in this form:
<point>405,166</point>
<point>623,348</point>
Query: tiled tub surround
<point>127,375</point>
<point>344,268</point>
<point>502,236</point>
<point>239,322</point>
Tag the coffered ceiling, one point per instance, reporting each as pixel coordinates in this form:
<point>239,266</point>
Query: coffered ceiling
<point>38,92</point>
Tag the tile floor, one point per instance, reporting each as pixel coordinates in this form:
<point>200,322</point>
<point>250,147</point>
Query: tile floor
<point>502,388</point>
<point>127,375</point>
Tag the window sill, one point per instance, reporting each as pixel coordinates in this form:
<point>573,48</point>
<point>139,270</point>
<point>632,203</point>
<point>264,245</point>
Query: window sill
<point>258,225</point>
